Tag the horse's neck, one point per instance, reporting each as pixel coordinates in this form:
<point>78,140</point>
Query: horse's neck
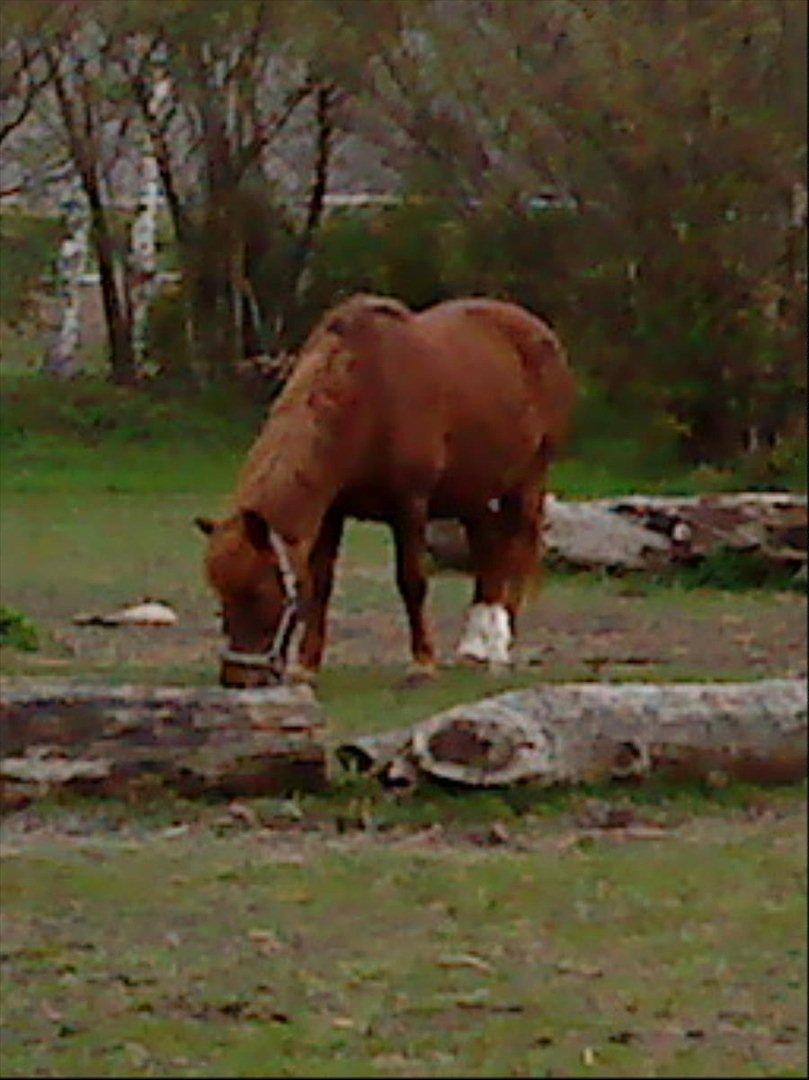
<point>291,477</point>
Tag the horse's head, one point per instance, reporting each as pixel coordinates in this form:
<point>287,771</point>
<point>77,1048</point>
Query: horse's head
<point>248,566</point>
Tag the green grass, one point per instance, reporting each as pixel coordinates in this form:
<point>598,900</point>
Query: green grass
<point>169,939</point>
<point>244,955</point>
<point>88,435</point>
<point>67,552</point>
<point>357,932</point>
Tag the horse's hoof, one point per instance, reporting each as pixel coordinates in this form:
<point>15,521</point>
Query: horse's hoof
<point>470,660</point>
<point>500,668</point>
<point>419,675</point>
<point>479,663</point>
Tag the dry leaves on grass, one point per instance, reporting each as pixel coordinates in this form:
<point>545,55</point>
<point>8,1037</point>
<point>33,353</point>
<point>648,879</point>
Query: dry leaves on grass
<point>267,942</point>
<point>465,960</point>
<point>587,971</point>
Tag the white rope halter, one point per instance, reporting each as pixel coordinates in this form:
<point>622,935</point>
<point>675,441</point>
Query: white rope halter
<point>274,659</point>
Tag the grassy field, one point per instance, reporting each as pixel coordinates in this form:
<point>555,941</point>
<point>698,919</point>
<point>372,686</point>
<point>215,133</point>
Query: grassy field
<point>359,933</point>
<point>186,953</point>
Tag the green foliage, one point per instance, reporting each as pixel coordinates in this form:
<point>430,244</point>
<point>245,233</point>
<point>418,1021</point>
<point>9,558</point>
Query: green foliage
<point>724,570</point>
<point>675,367</point>
<point>89,411</point>
<point>676,284</point>
<point>423,251</point>
<point>28,247</point>
<point>17,630</point>
<point>90,435</point>
<point>733,570</point>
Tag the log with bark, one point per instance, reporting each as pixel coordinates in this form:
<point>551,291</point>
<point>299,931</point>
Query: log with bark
<point>131,740</point>
<point>583,732</point>
<point>649,533</point>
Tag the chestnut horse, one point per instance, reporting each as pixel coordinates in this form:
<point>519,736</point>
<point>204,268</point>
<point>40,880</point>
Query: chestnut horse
<point>393,416</point>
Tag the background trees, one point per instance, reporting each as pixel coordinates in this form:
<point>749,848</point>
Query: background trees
<point>633,170</point>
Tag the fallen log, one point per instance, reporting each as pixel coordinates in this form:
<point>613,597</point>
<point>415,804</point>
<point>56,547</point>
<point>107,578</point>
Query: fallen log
<point>650,532</point>
<point>129,740</point>
<point>583,732</point>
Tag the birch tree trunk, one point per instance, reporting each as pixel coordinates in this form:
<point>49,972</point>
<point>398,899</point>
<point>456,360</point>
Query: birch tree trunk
<point>62,357</point>
<point>142,263</point>
<point>141,269</point>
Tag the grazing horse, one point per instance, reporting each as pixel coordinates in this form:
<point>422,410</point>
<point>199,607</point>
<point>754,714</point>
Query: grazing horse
<point>395,416</point>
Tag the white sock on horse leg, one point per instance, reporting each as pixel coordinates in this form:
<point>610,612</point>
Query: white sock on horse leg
<point>487,634</point>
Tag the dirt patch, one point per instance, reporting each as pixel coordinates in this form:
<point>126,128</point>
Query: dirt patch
<point>571,629</point>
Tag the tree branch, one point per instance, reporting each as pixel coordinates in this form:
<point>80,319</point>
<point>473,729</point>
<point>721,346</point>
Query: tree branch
<point>265,132</point>
<point>32,89</point>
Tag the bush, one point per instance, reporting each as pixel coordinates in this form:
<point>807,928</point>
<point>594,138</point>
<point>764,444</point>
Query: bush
<point>28,251</point>
<point>17,630</point>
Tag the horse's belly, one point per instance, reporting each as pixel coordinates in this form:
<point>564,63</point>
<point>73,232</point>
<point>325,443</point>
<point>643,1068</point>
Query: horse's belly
<point>459,461</point>
<point>482,466</point>
<point>468,477</point>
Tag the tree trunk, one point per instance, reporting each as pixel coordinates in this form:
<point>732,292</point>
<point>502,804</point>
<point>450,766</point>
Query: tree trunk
<point>62,357</point>
<point>208,260</point>
<point>119,329</point>
<point>132,740</point>
<point>585,732</point>
<point>142,263</point>
<point>81,128</point>
<point>325,132</point>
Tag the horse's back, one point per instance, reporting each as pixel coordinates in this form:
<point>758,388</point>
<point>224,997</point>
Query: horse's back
<point>472,393</point>
<point>493,343</point>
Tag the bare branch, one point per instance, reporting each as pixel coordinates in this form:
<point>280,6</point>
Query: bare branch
<point>32,88</point>
<point>266,131</point>
<point>246,57</point>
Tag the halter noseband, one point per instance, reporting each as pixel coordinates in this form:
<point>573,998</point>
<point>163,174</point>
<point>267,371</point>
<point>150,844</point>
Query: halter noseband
<point>274,659</point>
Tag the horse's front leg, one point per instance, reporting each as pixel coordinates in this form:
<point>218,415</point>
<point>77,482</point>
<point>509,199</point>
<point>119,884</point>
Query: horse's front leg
<point>409,533</point>
<point>321,578</point>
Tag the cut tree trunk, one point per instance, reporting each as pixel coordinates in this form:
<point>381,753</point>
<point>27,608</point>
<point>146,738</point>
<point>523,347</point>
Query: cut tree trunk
<point>583,732</point>
<point>131,740</point>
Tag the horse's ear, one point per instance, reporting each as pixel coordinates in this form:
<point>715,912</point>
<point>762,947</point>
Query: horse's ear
<point>256,529</point>
<point>205,525</point>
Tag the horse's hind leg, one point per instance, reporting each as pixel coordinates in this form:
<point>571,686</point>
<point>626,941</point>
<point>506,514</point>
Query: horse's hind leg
<point>504,544</point>
<point>409,526</point>
<point>486,636</point>
<point>524,540</point>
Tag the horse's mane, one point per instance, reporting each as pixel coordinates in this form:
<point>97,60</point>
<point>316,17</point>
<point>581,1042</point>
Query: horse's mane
<point>303,416</point>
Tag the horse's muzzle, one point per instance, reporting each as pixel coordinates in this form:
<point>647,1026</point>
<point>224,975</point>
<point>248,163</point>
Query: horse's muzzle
<point>247,677</point>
